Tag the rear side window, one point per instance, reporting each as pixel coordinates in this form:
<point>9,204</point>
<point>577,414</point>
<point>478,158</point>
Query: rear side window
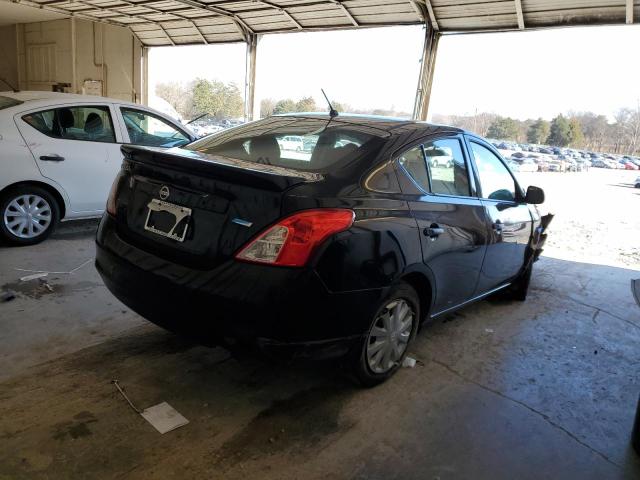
<point>90,124</point>
<point>307,144</point>
<point>150,130</point>
<point>438,167</point>
<point>495,180</point>
<point>414,163</point>
<point>447,167</point>
<point>6,102</point>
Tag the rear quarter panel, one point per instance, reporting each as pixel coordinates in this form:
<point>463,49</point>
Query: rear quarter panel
<point>382,245</point>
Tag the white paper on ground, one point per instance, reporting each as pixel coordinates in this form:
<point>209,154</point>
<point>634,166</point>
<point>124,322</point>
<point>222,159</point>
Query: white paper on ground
<point>164,417</point>
<point>33,277</point>
<point>409,362</point>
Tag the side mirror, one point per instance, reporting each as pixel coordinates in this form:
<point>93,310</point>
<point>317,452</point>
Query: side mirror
<point>535,195</point>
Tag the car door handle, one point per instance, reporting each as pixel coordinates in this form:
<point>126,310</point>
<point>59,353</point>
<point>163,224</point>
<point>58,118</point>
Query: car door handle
<point>434,231</point>
<point>52,158</point>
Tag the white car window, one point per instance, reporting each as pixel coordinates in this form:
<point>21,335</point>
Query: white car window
<point>151,130</point>
<point>86,123</point>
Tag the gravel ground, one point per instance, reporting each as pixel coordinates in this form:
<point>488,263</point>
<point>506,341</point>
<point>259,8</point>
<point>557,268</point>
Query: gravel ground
<point>597,216</point>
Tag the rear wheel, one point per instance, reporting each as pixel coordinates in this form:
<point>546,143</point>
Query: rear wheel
<point>637,185</point>
<point>28,215</point>
<point>383,349</point>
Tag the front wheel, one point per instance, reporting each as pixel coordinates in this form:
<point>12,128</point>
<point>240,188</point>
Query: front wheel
<point>520,287</point>
<point>382,350</point>
<point>28,215</point>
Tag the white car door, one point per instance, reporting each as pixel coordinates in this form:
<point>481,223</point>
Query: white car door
<point>77,147</point>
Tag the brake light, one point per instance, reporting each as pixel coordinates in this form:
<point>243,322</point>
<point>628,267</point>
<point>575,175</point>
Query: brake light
<point>292,240</point>
<point>113,194</point>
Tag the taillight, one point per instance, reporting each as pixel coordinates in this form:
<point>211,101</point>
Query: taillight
<point>113,193</point>
<point>292,240</point>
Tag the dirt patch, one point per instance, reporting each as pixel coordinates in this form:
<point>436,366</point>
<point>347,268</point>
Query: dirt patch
<point>76,428</point>
<point>295,425</point>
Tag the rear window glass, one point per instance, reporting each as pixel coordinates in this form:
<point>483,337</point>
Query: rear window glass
<point>308,144</point>
<point>6,102</point>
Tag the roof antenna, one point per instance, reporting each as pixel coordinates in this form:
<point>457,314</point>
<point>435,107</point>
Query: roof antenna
<point>332,111</point>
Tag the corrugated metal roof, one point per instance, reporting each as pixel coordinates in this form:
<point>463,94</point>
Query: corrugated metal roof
<point>184,22</point>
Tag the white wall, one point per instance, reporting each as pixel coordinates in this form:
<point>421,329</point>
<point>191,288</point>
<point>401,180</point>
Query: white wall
<point>71,51</point>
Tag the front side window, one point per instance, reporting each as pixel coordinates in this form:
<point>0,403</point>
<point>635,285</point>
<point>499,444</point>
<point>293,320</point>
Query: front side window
<point>495,180</point>
<point>87,123</point>
<point>152,131</point>
<point>447,167</point>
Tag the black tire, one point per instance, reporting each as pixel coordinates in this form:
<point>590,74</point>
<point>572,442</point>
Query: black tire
<point>358,358</point>
<point>637,185</point>
<point>520,287</point>
<point>15,192</point>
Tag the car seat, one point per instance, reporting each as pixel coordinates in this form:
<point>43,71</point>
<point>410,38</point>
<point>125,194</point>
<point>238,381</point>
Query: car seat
<point>93,126</point>
<point>265,149</point>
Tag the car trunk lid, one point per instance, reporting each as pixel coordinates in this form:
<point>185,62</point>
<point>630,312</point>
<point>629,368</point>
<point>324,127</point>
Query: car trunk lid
<point>224,202</point>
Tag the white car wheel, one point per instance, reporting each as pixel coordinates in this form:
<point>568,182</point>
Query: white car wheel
<point>29,215</point>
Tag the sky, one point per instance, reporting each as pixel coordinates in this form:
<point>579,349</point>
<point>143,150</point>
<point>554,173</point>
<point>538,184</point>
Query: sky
<point>519,74</point>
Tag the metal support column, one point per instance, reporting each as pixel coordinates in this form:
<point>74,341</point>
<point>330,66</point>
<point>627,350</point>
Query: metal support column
<point>144,76</point>
<point>427,68</point>
<point>250,79</point>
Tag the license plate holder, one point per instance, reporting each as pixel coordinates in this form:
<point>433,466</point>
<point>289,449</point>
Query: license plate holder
<point>159,221</point>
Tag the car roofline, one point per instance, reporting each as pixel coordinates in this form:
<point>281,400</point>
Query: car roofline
<point>377,121</point>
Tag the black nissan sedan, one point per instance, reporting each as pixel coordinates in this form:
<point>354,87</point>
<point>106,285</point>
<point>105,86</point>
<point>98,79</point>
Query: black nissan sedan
<point>341,249</point>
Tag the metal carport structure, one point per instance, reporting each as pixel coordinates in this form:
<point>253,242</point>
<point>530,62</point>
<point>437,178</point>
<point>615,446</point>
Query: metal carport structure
<point>189,22</point>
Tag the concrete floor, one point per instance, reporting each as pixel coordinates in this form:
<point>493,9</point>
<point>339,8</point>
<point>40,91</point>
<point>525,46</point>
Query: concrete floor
<point>541,389</point>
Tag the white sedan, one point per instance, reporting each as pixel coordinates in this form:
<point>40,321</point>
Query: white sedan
<point>59,154</point>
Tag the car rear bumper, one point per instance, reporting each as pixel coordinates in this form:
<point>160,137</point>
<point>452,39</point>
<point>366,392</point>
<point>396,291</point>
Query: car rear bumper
<point>272,307</point>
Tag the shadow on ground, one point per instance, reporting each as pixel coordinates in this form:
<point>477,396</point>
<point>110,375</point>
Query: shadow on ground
<point>541,389</point>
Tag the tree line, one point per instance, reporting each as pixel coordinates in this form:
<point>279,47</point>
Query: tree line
<point>581,130</point>
<point>218,99</point>
<point>269,106</point>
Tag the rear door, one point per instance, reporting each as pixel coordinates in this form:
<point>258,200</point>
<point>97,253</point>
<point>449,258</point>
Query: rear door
<point>77,147</point>
<point>508,216</point>
<point>451,218</point>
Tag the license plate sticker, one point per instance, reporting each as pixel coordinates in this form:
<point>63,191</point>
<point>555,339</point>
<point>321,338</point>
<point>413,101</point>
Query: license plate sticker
<point>167,220</point>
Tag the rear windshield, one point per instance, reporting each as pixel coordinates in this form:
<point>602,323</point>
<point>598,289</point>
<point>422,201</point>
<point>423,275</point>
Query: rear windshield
<point>307,144</point>
<point>6,102</point>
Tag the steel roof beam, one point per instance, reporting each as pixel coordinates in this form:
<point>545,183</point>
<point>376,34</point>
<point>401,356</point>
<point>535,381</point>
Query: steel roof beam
<point>240,24</point>
<point>346,11</point>
<point>520,15</point>
<point>282,10</point>
<point>432,16</point>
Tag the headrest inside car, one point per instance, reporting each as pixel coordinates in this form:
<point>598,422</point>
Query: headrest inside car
<point>93,124</point>
<point>65,117</point>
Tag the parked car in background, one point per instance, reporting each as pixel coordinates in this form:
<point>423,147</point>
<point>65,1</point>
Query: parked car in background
<point>60,152</point>
<point>291,142</point>
<point>528,165</point>
<point>365,237</point>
